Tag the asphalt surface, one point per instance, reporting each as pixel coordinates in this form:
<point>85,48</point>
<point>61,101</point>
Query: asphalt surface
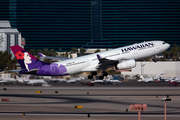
<point>99,102</point>
<point>125,83</point>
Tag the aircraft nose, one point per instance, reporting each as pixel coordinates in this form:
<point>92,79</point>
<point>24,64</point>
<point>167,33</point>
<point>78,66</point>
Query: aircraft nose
<point>167,45</point>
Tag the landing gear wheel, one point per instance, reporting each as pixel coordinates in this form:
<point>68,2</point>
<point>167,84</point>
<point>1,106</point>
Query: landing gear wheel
<point>100,77</point>
<point>90,77</point>
<point>105,74</point>
<point>93,73</point>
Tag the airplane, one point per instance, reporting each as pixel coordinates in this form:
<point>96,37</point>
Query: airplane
<point>76,80</point>
<point>28,81</point>
<point>114,82</point>
<point>111,80</point>
<point>120,58</point>
<point>7,80</point>
<point>173,83</point>
<point>174,79</point>
<point>150,79</point>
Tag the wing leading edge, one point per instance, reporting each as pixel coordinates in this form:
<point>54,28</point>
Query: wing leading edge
<point>105,63</point>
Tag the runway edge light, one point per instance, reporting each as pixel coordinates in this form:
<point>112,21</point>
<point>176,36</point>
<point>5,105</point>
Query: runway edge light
<point>38,91</point>
<point>78,106</point>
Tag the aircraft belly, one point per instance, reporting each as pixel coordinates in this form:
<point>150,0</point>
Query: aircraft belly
<point>74,69</point>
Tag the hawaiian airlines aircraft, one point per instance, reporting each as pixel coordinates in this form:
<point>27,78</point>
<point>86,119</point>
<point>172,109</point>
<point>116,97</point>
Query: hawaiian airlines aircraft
<point>120,58</point>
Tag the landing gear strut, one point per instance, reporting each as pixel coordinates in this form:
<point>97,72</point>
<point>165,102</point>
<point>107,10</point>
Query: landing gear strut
<point>101,77</point>
<point>91,75</point>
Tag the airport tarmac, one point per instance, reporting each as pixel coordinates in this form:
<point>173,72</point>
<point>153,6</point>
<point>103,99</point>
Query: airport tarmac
<point>99,102</point>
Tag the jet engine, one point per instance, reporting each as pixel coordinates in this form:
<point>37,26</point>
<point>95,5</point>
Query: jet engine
<point>126,64</point>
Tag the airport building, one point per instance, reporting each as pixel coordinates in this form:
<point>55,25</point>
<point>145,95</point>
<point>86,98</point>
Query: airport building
<point>65,24</point>
<point>151,69</point>
<point>9,36</point>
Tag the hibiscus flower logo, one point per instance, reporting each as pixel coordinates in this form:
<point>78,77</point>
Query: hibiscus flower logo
<point>19,55</point>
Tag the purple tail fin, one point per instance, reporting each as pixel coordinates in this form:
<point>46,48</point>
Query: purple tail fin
<point>31,65</point>
<point>25,59</point>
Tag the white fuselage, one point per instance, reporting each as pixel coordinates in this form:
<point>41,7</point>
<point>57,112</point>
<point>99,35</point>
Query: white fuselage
<point>135,51</point>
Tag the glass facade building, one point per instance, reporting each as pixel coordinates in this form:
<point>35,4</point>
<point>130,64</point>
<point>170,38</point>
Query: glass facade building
<point>55,24</point>
<point>128,21</point>
<point>52,24</point>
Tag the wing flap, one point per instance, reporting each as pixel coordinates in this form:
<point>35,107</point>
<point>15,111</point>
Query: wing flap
<point>106,63</point>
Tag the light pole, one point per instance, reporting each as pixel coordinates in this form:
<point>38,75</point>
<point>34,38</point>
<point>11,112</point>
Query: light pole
<point>165,99</point>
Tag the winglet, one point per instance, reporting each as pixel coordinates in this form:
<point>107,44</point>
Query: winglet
<point>98,56</point>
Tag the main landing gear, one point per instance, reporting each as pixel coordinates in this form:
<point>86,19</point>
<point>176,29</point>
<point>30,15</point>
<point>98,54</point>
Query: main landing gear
<point>91,75</point>
<point>100,77</point>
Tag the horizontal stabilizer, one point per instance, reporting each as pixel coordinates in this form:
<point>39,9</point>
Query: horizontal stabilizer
<point>14,70</point>
<point>53,58</point>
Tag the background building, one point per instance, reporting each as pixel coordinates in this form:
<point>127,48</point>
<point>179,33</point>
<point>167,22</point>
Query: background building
<point>151,69</point>
<point>9,37</point>
<point>65,24</point>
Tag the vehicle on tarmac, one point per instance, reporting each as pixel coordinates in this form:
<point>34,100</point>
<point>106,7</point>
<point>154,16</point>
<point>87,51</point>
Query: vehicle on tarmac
<point>173,83</point>
<point>89,83</point>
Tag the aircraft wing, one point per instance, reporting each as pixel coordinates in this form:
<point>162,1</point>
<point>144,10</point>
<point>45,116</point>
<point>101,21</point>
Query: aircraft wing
<point>53,58</point>
<point>103,62</point>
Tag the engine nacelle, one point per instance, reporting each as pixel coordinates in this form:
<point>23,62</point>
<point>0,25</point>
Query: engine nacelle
<point>126,64</point>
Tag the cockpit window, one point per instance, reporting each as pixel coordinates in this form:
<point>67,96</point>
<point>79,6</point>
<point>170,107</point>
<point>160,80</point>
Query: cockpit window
<point>163,43</point>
